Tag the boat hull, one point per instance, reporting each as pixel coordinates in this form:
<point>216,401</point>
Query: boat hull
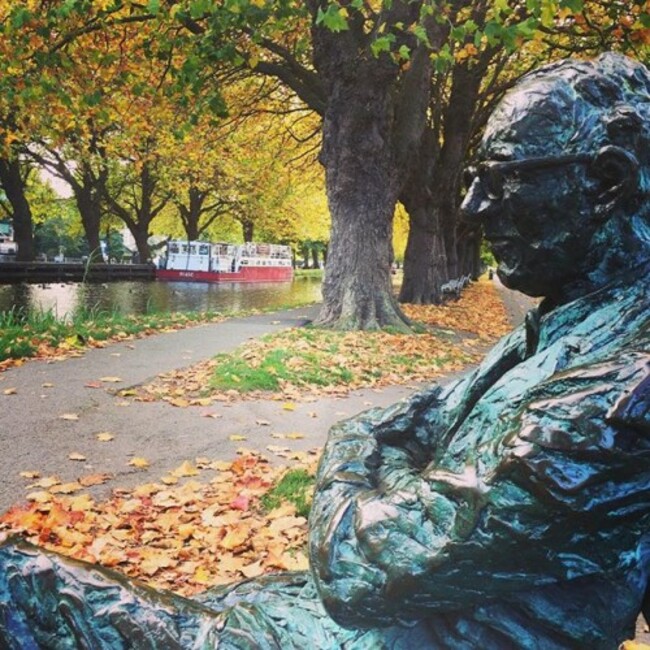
<point>248,274</point>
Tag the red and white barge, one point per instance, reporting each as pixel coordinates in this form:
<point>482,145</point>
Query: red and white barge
<point>197,261</point>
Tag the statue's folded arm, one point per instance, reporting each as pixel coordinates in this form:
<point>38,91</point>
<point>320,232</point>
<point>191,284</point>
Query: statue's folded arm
<point>393,538</point>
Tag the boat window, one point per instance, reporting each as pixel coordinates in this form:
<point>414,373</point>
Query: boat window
<point>173,249</point>
<point>204,249</point>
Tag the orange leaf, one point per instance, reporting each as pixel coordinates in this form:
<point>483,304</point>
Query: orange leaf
<point>235,538</point>
<point>94,479</point>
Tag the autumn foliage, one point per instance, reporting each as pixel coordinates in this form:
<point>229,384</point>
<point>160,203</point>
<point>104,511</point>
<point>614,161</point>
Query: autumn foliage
<point>178,534</point>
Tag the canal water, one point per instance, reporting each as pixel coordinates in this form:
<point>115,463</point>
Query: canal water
<point>150,296</point>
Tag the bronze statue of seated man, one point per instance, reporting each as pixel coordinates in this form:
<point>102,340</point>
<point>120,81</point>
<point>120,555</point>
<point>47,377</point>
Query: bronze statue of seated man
<point>510,509</point>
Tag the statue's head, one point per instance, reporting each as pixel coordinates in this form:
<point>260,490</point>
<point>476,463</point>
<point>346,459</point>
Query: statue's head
<point>561,188</point>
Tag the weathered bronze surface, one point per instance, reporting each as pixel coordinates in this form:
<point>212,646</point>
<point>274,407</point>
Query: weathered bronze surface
<point>510,509</point>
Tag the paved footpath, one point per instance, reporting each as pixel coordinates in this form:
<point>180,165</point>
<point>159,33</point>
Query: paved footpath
<point>34,436</point>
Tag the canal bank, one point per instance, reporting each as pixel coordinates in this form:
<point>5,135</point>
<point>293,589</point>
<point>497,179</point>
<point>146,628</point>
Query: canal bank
<point>44,272</point>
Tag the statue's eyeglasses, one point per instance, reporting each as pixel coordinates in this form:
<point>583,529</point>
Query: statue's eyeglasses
<point>492,173</point>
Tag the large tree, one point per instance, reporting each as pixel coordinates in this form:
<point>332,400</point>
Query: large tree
<point>340,60</point>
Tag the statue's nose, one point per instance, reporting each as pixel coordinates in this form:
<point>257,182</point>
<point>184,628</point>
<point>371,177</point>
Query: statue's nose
<point>477,206</point>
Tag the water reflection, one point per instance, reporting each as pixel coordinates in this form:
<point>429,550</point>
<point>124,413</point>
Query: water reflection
<point>143,297</point>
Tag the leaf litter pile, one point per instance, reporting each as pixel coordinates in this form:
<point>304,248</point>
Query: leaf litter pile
<point>308,362</point>
<point>180,534</point>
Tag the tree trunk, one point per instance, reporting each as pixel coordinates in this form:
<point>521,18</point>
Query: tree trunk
<point>191,213</point>
<point>140,209</point>
<point>141,236</point>
<point>248,229</point>
<point>374,116</point>
<point>424,260</point>
<point>13,184</point>
<point>434,188</point>
<point>362,181</point>
<point>314,258</point>
<point>88,202</point>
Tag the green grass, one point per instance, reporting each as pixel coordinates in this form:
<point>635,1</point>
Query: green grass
<point>294,487</point>
<point>241,372</point>
<point>308,273</point>
<point>27,334</point>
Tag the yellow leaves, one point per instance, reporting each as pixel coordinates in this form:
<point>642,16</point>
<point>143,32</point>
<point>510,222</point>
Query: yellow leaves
<point>9,391</point>
<point>466,52</point>
<point>76,456</point>
<point>139,462</point>
<point>289,406</point>
<point>105,436</point>
<point>634,645</point>
<point>46,483</point>
<point>73,417</point>
<point>235,437</point>
<point>235,537</point>
<point>40,497</point>
<point>186,469</point>
<point>479,311</point>
<point>111,380</point>
<point>66,488</point>
<point>202,576</point>
<point>185,538</point>
<point>151,561</point>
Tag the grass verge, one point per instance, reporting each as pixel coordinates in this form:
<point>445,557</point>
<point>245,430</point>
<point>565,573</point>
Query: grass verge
<point>44,334</point>
<point>309,361</point>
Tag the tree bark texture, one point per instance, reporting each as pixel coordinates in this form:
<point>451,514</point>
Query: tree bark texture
<point>362,187</point>
<point>13,184</point>
<point>432,194</point>
<point>424,260</point>
<point>375,114</point>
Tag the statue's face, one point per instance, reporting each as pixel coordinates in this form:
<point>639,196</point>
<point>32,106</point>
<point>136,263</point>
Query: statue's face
<point>532,199</point>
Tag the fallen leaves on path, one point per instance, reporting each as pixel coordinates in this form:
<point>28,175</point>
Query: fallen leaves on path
<point>184,537</point>
<point>139,462</point>
<point>306,363</point>
<point>479,311</point>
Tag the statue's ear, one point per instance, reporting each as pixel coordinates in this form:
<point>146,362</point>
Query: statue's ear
<point>617,173</point>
